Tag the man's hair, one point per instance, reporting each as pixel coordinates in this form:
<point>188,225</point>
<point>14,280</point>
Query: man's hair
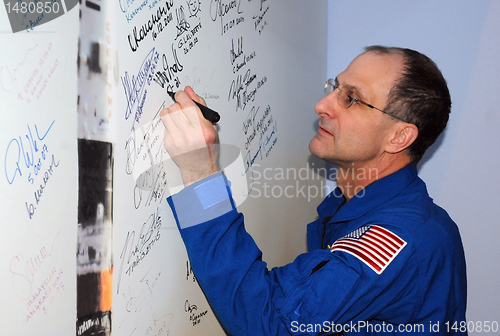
<point>420,97</point>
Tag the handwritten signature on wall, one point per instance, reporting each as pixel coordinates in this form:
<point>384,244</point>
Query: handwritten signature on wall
<point>28,156</point>
<point>33,283</point>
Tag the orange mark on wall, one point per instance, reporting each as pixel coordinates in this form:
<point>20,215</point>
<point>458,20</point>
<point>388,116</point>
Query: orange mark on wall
<point>106,289</point>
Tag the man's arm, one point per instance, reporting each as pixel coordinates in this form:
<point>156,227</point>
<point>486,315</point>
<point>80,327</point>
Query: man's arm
<point>247,297</point>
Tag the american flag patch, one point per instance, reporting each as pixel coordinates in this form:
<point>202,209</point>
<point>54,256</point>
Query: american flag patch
<point>372,244</point>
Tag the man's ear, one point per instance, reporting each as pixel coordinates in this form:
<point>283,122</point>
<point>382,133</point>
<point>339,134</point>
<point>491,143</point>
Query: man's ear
<point>403,136</point>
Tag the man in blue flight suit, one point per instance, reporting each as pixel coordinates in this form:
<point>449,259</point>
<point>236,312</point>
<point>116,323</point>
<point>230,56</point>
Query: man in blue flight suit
<point>383,259</point>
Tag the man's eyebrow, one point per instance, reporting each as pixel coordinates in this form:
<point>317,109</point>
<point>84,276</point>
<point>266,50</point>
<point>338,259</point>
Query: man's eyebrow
<point>353,88</point>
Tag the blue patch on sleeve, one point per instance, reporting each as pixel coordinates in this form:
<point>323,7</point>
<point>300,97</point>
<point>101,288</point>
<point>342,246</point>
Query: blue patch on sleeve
<point>212,192</point>
<point>202,201</point>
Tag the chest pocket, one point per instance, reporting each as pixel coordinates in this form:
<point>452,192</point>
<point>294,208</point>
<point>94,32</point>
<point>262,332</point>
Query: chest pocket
<point>317,298</point>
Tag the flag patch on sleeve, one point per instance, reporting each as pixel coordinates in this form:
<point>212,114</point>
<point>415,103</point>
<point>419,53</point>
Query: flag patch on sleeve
<point>372,244</point>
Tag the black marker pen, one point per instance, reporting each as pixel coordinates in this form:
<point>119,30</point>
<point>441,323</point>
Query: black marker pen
<point>209,114</point>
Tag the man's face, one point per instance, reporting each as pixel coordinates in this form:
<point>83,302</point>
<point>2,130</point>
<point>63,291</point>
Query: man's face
<point>356,136</point>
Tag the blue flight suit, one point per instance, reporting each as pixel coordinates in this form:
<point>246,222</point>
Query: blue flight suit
<point>415,284</point>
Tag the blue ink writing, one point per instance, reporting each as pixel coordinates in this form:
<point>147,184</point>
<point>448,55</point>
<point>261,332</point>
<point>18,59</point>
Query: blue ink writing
<point>24,149</point>
<point>134,87</point>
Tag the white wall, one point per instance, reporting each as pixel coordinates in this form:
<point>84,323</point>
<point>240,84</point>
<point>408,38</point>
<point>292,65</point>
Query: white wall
<point>461,168</point>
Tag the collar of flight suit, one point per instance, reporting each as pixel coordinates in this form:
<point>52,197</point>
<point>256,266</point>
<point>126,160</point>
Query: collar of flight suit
<point>374,195</point>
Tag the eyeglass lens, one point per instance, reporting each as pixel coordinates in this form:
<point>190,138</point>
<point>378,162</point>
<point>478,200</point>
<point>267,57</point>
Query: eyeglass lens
<point>329,86</point>
<point>345,96</point>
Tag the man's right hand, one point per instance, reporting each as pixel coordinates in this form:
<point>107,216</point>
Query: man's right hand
<point>190,139</point>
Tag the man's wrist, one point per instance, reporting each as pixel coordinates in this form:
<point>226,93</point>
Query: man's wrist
<point>204,200</point>
<point>192,176</point>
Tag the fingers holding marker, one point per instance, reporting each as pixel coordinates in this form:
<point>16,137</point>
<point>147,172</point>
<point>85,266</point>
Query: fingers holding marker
<point>210,134</point>
<point>190,139</point>
<point>205,116</point>
<point>191,111</point>
<point>183,132</point>
<point>190,92</point>
<point>172,130</point>
<point>181,115</point>
<point>207,113</point>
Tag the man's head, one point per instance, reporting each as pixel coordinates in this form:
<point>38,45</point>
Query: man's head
<point>420,97</point>
<point>400,106</point>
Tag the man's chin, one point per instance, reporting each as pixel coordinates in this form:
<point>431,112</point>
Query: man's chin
<point>315,148</point>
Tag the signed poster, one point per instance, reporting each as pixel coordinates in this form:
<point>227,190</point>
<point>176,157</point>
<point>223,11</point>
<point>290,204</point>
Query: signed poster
<point>89,245</point>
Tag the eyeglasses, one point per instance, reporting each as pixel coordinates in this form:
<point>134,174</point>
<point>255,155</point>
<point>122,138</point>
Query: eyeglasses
<point>347,97</point>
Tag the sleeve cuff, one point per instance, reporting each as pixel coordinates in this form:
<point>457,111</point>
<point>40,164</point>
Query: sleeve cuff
<point>202,201</point>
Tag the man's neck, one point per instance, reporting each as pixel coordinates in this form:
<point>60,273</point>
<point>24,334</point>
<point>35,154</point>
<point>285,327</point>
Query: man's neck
<point>353,178</point>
